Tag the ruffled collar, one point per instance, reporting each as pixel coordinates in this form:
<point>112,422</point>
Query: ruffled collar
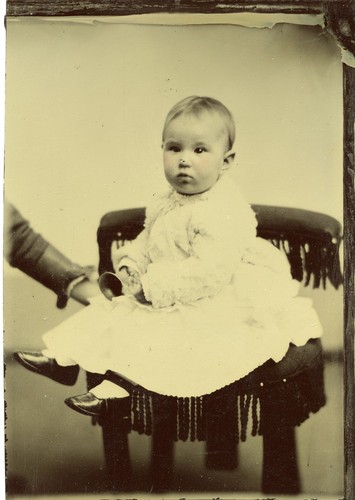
<point>186,199</point>
<point>171,199</point>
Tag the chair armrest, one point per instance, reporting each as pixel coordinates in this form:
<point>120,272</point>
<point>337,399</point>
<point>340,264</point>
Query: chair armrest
<point>119,225</point>
<point>296,223</point>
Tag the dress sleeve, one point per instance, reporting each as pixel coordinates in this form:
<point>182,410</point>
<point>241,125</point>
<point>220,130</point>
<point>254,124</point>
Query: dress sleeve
<point>217,242</point>
<point>135,250</point>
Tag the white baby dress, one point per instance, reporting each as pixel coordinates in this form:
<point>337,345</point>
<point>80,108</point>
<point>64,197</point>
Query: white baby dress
<point>222,301</point>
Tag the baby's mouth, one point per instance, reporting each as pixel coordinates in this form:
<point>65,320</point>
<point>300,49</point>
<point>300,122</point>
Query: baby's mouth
<point>184,176</point>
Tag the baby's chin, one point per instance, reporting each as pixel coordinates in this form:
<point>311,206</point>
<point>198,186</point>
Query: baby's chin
<point>189,192</point>
<point>188,189</point>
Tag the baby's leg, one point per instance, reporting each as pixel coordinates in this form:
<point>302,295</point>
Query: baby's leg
<point>61,360</point>
<point>82,338</point>
<point>108,389</point>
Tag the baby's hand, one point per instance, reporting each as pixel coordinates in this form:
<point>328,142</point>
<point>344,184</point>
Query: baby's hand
<point>132,284</point>
<point>131,281</point>
<point>141,297</point>
<point>123,275</point>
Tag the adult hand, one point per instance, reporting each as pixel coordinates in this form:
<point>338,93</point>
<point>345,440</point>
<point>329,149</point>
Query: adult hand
<point>84,290</point>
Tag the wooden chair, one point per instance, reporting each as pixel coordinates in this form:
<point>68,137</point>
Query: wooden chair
<point>277,396</point>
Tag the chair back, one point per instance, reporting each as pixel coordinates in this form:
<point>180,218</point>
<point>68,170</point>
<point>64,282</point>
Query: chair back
<point>310,240</point>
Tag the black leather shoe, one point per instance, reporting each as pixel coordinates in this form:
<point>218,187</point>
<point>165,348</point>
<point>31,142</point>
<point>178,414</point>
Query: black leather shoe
<point>87,404</point>
<point>38,363</point>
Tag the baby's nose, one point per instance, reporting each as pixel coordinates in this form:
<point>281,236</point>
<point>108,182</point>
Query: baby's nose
<point>183,162</point>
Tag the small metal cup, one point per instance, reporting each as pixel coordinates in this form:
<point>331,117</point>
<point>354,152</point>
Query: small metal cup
<point>110,285</point>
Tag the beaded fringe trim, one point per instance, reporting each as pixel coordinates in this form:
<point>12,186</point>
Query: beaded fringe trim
<point>317,260</point>
<point>288,402</point>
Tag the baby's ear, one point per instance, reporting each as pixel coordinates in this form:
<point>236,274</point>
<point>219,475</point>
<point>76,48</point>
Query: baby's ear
<point>228,159</point>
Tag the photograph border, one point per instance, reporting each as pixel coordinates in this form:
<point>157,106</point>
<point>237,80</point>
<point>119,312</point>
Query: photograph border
<point>339,21</point>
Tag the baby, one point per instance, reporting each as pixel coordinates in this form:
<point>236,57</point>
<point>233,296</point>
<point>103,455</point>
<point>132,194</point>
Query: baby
<point>205,300</point>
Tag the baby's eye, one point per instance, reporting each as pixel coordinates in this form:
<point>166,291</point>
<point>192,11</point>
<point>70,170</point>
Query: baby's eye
<point>174,148</point>
<point>200,150</point>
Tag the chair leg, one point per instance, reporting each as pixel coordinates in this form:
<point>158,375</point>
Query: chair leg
<point>162,457</point>
<point>115,429</point>
<point>222,452</point>
<point>221,434</point>
<point>280,467</point>
<point>162,463</point>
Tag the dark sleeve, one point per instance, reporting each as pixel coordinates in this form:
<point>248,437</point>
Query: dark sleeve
<point>28,251</point>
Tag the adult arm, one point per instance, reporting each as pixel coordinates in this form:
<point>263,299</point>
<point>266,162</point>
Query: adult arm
<point>32,254</point>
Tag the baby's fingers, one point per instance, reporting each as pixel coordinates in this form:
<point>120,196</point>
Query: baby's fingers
<point>134,281</point>
<point>123,275</point>
<point>135,288</point>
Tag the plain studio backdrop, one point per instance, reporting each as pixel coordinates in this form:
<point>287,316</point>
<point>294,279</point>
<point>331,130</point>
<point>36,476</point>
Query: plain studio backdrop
<point>85,106</point>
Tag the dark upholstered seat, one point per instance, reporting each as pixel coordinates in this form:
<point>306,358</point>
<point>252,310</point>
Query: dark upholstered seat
<point>273,399</point>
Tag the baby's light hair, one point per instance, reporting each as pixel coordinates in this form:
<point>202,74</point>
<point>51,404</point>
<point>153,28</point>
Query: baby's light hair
<point>195,105</point>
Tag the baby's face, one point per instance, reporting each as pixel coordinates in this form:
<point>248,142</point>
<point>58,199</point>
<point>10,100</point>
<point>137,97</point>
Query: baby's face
<point>194,152</point>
